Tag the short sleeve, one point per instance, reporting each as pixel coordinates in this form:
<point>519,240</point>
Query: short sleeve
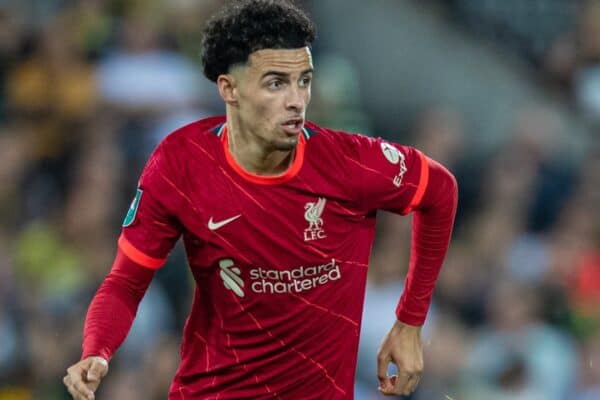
<point>151,228</point>
<point>392,177</point>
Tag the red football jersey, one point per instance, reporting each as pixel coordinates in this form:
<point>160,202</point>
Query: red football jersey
<point>280,262</point>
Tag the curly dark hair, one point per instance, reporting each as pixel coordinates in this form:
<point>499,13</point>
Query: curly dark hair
<point>246,26</point>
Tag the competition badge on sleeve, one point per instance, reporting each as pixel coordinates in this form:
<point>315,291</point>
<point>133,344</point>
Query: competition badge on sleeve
<point>394,156</point>
<point>130,217</point>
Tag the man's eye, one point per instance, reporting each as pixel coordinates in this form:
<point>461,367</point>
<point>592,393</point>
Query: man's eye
<point>276,84</point>
<point>304,82</point>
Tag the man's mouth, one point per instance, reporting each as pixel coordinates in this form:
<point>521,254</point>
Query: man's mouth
<point>293,126</point>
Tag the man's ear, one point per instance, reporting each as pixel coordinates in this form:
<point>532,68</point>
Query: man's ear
<point>227,84</point>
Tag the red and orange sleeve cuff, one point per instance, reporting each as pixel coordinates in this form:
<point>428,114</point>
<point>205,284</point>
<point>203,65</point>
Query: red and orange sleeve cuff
<point>138,256</point>
<point>414,319</point>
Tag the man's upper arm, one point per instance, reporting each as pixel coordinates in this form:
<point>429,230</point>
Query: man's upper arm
<point>151,227</point>
<point>394,177</point>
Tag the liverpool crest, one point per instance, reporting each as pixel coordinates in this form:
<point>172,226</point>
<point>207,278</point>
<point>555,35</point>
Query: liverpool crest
<point>312,214</point>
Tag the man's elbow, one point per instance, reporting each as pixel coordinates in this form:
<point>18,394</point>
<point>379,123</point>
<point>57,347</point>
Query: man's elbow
<point>452,188</point>
<point>443,186</point>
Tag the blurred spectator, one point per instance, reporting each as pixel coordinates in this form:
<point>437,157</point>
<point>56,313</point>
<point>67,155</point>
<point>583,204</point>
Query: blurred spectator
<point>144,76</point>
<point>575,264</point>
<point>587,79</point>
<point>445,357</point>
<point>153,321</point>
<point>151,88</point>
<point>54,80</point>
<point>336,96</point>
<point>11,360</point>
<point>439,131</point>
<point>47,264</point>
<point>589,385</point>
<point>126,385</point>
<point>519,356</point>
<point>92,208</point>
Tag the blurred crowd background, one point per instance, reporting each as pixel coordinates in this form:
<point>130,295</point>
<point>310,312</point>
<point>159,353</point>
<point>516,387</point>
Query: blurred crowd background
<point>506,93</point>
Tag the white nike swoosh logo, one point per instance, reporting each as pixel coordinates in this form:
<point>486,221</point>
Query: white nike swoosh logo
<point>216,225</point>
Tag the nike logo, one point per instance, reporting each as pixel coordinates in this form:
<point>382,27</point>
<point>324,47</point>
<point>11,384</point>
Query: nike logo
<point>216,225</point>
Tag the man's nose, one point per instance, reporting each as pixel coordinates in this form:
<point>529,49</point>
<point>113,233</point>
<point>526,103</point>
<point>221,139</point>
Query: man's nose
<point>296,99</point>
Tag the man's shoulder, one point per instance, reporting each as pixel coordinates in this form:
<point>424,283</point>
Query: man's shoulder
<point>346,139</point>
<point>312,129</point>
<point>334,139</point>
<point>195,142</point>
<point>199,131</point>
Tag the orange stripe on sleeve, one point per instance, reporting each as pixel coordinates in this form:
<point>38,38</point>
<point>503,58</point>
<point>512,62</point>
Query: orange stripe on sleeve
<point>139,257</point>
<point>423,181</point>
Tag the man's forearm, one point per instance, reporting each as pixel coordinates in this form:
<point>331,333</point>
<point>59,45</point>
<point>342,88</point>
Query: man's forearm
<point>431,232</point>
<point>114,306</point>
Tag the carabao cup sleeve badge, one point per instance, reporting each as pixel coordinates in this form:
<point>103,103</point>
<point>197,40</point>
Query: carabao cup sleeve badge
<point>130,217</point>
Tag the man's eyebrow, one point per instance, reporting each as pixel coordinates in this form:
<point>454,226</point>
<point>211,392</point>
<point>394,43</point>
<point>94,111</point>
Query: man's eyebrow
<point>284,74</point>
<point>275,73</point>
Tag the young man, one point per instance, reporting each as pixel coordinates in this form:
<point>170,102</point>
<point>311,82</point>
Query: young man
<point>277,216</point>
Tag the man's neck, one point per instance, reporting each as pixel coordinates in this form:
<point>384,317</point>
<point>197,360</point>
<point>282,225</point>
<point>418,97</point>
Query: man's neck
<point>254,155</point>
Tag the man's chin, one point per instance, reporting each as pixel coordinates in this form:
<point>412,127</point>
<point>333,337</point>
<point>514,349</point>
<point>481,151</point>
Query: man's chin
<point>286,144</point>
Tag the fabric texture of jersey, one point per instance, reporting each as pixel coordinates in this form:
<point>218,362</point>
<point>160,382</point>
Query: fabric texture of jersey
<point>280,262</point>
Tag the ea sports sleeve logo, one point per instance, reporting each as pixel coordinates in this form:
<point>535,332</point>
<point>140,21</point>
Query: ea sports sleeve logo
<point>394,156</point>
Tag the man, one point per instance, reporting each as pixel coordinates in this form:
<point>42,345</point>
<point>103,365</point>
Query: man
<point>277,216</point>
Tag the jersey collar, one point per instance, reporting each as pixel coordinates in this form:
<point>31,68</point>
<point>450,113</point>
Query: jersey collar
<point>292,170</point>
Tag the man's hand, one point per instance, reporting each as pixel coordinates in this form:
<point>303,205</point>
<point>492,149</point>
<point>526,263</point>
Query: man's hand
<point>83,378</point>
<point>402,346</point>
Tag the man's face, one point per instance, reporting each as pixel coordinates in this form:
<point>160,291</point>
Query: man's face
<point>273,92</point>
